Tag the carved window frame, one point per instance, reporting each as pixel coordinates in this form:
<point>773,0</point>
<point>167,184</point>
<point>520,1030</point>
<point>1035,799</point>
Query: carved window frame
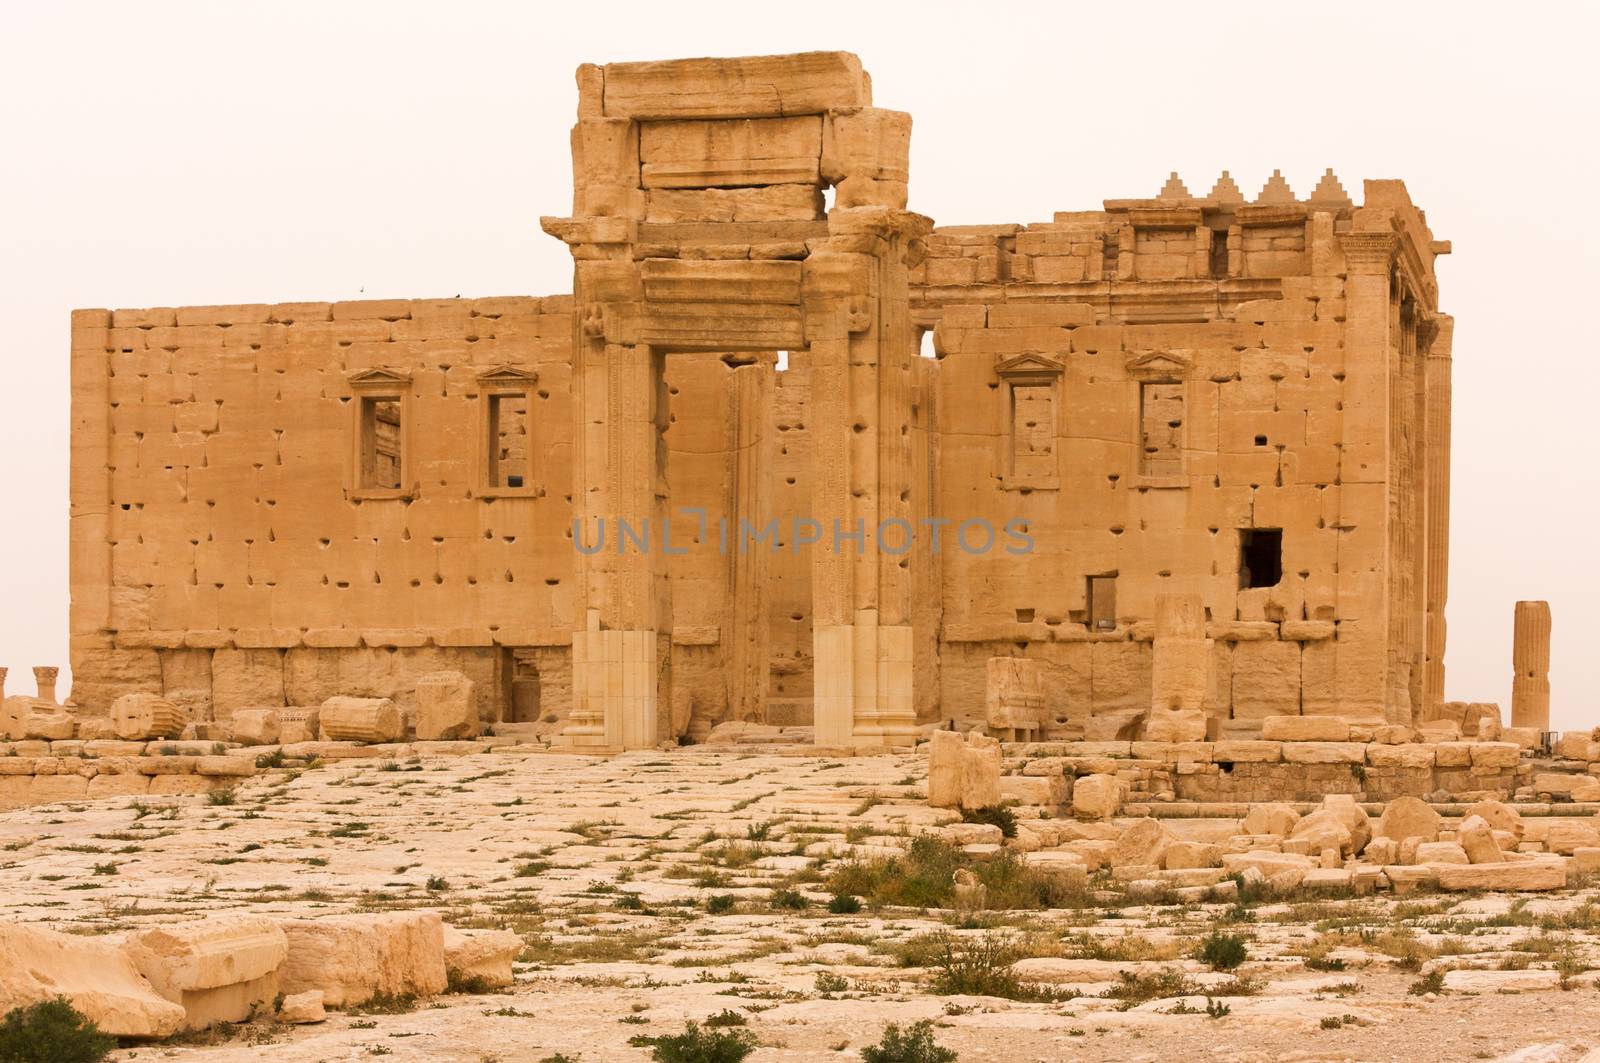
<point>503,381</point>
<point>369,386</point>
<point>1160,367</point>
<point>1028,371</point>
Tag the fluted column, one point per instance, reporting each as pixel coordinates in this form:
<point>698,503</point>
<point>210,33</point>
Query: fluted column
<point>1530,662</point>
<point>1438,368</point>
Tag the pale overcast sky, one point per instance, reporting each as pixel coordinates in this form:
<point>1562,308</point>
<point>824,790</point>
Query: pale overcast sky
<point>164,153</point>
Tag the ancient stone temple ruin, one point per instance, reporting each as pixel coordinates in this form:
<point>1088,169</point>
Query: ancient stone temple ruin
<point>789,452</point>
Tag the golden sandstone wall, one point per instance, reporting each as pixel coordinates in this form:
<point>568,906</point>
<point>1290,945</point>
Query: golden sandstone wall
<point>1247,401</point>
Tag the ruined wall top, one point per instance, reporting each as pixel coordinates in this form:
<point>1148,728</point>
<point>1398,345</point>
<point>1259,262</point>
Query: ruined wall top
<point>760,86</point>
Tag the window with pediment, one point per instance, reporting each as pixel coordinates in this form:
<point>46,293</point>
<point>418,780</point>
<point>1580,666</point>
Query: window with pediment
<point>1030,390</point>
<point>1163,416</point>
<point>380,466</point>
<point>507,396</point>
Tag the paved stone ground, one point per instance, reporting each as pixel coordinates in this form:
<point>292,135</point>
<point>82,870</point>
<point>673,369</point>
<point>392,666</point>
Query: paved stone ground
<point>606,868</point>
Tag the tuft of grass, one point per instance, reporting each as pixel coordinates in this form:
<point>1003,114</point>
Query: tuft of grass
<point>222,797</point>
<point>720,904</point>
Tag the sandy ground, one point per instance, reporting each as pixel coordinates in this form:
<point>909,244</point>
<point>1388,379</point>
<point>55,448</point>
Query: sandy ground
<point>606,866</point>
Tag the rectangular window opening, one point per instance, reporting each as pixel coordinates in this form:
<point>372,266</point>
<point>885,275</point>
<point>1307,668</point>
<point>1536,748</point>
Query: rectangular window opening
<point>1161,428</point>
<point>1260,557</point>
<point>508,440</point>
<point>1100,603</point>
<point>381,442</point>
<point>1033,430</point>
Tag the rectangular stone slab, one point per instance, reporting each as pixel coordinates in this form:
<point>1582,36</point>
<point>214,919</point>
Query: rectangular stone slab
<point>748,87</point>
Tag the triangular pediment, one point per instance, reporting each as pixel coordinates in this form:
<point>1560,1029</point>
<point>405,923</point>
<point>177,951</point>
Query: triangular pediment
<point>508,374</point>
<point>1027,364</point>
<point>1159,364</point>
<point>379,376</point>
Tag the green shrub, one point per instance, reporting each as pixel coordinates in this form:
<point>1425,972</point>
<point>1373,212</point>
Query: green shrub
<point>52,1031</point>
<point>695,1045</point>
<point>914,1045</point>
<point>727,1017</point>
<point>922,878</point>
<point>1432,982</point>
<point>721,904</point>
<point>1222,952</point>
<point>844,904</point>
<point>997,816</point>
<point>981,967</point>
<point>793,901</point>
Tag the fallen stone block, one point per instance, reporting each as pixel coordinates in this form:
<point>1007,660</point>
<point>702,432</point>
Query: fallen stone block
<point>1181,855</point>
<point>218,970</point>
<point>1270,818</point>
<point>360,720</point>
<point>1318,831</point>
<point>1408,817</point>
<point>1441,853</point>
<point>1474,836</point>
<point>1475,981</point>
<point>447,707</point>
<point>1499,816</point>
<point>225,767</point>
<point>257,727</point>
<point>1096,796</point>
<point>144,716</point>
<point>96,976</point>
<point>1145,842</point>
<point>49,726</point>
<point>944,769</point>
<point>353,958</point>
<point>1519,875</point>
<point>1567,836</point>
<point>303,1008</point>
<point>1267,864</point>
<point>480,958</point>
<point>1325,752</point>
<point>1068,869</point>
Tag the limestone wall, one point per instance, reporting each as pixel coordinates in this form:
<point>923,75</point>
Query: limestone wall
<point>225,548</point>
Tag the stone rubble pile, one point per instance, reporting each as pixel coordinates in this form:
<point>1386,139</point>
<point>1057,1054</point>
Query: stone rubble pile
<point>191,975</point>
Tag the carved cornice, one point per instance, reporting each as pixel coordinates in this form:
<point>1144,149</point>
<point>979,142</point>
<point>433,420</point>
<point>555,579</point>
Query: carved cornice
<point>508,376</point>
<point>1160,365</point>
<point>1369,254</point>
<point>378,378</point>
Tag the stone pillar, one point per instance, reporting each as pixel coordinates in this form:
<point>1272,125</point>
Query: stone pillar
<point>1530,661</point>
<point>1180,670</point>
<point>1361,665</point>
<point>1437,367</point>
<point>45,677</point>
<point>1014,697</point>
<point>2,683</point>
<point>1181,654</point>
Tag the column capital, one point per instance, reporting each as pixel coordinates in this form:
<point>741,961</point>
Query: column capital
<point>1368,254</point>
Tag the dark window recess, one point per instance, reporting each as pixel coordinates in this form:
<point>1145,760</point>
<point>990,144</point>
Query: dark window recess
<point>1219,253</point>
<point>1260,557</point>
<point>1261,441</point>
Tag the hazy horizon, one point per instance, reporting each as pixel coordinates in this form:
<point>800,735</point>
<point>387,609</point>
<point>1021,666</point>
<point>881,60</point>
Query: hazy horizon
<point>181,154</point>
